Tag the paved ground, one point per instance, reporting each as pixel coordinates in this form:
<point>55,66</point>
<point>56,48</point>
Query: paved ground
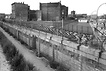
<point>29,56</point>
<point>4,66</point>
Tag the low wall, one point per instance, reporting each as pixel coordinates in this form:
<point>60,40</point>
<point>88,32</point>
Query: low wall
<point>62,56</point>
<point>73,61</point>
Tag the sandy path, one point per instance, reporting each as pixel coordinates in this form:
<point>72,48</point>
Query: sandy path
<point>39,64</point>
<point>4,66</point>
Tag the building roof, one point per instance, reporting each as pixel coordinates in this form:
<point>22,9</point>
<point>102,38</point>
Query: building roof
<point>19,3</point>
<point>51,4</point>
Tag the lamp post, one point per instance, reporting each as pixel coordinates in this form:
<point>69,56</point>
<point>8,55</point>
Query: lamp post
<point>97,12</point>
<point>92,13</point>
<point>62,23</point>
<point>102,40</point>
<point>62,19</point>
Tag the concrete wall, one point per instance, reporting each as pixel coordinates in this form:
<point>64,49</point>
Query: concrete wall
<point>45,49</point>
<point>62,54</point>
<point>74,63</point>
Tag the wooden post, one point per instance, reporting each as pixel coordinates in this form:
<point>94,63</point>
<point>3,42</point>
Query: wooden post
<point>81,62</point>
<point>82,29</point>
<point>30,38</point>
<point>53,53</point>
<point>39,45</point>
<point>57,32</point>
<point>77,29</point>
<point>17,34</point>
<point>72,28</point>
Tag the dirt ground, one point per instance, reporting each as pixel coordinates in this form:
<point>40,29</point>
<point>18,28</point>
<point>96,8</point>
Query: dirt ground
<point>4,66</point>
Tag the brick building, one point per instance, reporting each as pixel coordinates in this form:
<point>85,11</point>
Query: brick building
<point>73,14</point>
<point>65,10</point>
<point>53,11</point>
<point>2,16</point>
<point>32,15</point>
<point>38,15</point>
<point>35,15</point>
<point>20,11</point>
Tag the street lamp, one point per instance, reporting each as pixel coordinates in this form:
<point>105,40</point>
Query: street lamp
<point>97,12</point>
<point>62,23</point>
<point>93,16</point>
<point>103,41</point>
<point>93,11</point>
<point>62,18</point>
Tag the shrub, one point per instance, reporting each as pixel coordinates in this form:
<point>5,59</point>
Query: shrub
<point>62,68</point>
<point>16,60</point>
<point>54,65</point>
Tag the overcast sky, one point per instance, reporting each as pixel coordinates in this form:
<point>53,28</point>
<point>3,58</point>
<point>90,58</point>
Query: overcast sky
<point>80,6</point>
